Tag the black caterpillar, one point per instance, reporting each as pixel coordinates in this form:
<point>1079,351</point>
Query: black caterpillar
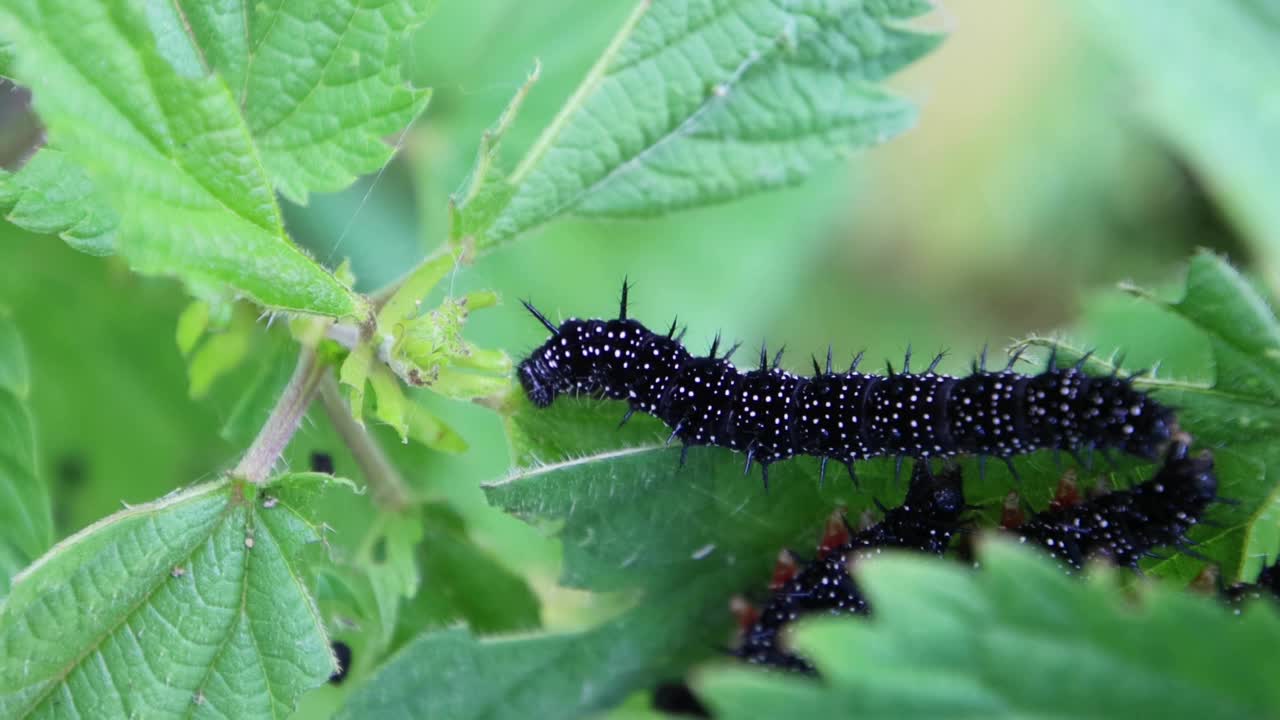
<point>925,521</point>
<point>771,414</point>
<point>1122,526</point>
<point>1126,525</point>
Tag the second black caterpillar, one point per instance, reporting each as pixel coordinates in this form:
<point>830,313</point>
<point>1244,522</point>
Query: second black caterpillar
<point>771,414</point>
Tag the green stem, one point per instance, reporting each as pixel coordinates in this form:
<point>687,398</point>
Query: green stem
<point>390,492</point>
<point>284,420</point>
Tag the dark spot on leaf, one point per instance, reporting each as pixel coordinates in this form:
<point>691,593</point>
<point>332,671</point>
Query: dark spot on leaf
<point>379,550</point>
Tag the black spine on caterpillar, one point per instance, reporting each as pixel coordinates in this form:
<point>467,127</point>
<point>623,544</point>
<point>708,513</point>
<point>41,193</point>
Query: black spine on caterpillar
<point>1126,525</point>
<point>771,414</point>
<point>925,521</point>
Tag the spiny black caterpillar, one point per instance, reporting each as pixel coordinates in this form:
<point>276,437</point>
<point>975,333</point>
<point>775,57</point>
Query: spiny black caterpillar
<point>925,521</point>
<point>1122,526</point>
<point>771,414</point>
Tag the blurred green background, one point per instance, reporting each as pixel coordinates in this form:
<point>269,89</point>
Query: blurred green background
<point>1034,182</point>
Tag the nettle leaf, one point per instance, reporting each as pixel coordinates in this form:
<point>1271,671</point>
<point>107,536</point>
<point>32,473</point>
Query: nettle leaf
<point>187,133</point>
<point>26,525</point>
<point>196,604</point>
<point>53,195</point>
<point>319,84</point>
<point>1017,638</point>
<point>1237,415</point>
<point>1204,99</point>
<point>702,102</point>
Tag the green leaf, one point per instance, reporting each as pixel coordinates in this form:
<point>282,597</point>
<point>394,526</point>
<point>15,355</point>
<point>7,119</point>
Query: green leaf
<point>222,351</point>
<point>26,525</point>
<point>1205,98</point>
<point>389,399</point>
<point>53,195</point>
<point>1237,414</point>
<point>704,102</point>
<point>199,603</point>
<point>192,324</point>
<point>353,374</point>
<point>169,147</point>
<point>575,428</point>
<point>319,84</point>
<point>1016,639</point>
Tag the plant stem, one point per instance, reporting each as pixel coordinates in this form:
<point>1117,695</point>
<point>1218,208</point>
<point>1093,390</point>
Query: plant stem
<point>389,489</point>
<point>284,420</point>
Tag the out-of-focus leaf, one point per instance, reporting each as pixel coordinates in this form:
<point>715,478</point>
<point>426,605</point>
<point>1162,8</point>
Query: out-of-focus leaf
<point>389,400</point>
<point>696,103</point>
<point>192,323</point>
<point>1214,98</point>
<point>222,351</point>
<point>104,339</point>
<point>26,526</point>
<point>1016,639</point>
<point>465,582</point>
<point>53,195</point>
<point>426,428</point>
<point>363,597</point>
<point>197,603</point>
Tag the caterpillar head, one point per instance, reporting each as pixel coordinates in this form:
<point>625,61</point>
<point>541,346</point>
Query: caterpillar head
<point>541,373</point>
<point>533,377</point>
<point>572,361</point>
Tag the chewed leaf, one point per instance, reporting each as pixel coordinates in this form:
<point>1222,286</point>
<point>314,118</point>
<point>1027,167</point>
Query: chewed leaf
<point>200,601</point>
<point>486,190</point>
<point>703,102</point>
